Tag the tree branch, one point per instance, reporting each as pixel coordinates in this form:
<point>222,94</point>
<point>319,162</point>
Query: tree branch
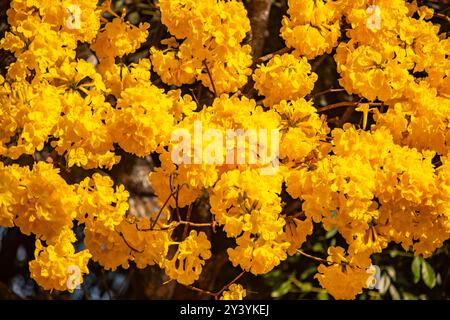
<point>259,11</point>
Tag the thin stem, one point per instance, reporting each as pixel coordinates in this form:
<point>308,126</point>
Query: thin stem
<point>201,291</point>
<point>196,224</point>
<point>111,12</point>
<point>337,105</point>
<point>195,97</point>
<point>177,210</point>
<point>218,293</point>
<point>188,217</point>
<point>179,223</point>
<point>318,62</point>
<point>347,104</point>
<point>313,257</point>
<point>328,91</point>
<point>128,244</point>
<point>160,211</point>
<point>269,56</point>
<point>210,77</point>
<point>442,16</point>
<point>225,287</point>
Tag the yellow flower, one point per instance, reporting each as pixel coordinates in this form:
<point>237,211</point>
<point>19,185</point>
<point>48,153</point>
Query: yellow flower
<point>119,38</point>
<point>186,265</point>
<point>313,26</point>
<point>58,267</point>
<point>285,77</point>
<point>234,292</point>
<point>340,278</point>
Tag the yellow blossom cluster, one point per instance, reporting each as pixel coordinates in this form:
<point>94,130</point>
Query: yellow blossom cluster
<point>58,266</point>
<point>240,153</point>
<point>374,191</point>
<point>285,77</point>
<point>209,35</point>
<point>341,269</point>
<point>313,27</point>
<point>234,292</point>
<point>39,201</point>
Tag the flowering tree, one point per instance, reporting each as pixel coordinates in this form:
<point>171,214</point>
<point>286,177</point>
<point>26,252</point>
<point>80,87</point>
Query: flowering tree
<point>358,94</point>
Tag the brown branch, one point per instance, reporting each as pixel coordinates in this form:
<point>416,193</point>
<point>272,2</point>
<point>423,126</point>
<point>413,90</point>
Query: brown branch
<point>316,64</point>
<point>314,257</point>
<point>128,244</point>
<point>259,11</point>
<point>327,91</point>
<point>343,263</point>
<point>176,224</point>
<point>210,77</point>
<point>347,104</point>
<point>188,217</point>
<point>218,293</point>
<point>269,56</point>
<point>201,291</point>
<point>440,1</point>
<point>163,206</point>
<point>177,207</point>
<point>337,105</point>
<point>225,287</point>
<point>442,16</point>
<point>344,118</point>
<point>196,224</point>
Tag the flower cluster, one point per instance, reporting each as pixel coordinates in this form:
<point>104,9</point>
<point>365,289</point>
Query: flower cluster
<point>208,49</point>
<point>285,77</point>
<point>313,27</point>
<point>387,182</point>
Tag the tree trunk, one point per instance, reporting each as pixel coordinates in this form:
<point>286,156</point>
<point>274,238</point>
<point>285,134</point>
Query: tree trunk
<point>259,11</point>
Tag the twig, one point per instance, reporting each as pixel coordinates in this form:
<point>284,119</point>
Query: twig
<point>210,77</point>
<point>188,217</point>
<point>225,287</point>
<point>269,56</point>
<point>347,104</point>
<point>128,244</point>
<point>177,209</point>
<point>218,293</point>
<point>337,105</point>
<point>318,62</point>
<point>161,209</point>
<point>344,118</point>
<point>442,16</point>
<point>314,257</point>
<point>196,224</point>
<point>328,91</point>
<point>176,224</point>
<point>201,291</point>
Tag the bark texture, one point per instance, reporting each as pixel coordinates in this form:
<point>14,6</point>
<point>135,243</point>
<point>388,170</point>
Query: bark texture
<point>259,11</point>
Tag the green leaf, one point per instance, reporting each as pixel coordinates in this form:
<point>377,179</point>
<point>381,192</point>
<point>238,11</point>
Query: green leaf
<point>408,296</point>
<point>391,272</point>
<point>415,268</point>
<point>318,247</point>
<point>322,296</point>
<point>330,234</point>
<point>385,283</point>
<point>274,274</point>
<point>428,274</point>
<point>305,274</point>
<point>283,289</point>
<point>306,287</point>
<point>393,253</point>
